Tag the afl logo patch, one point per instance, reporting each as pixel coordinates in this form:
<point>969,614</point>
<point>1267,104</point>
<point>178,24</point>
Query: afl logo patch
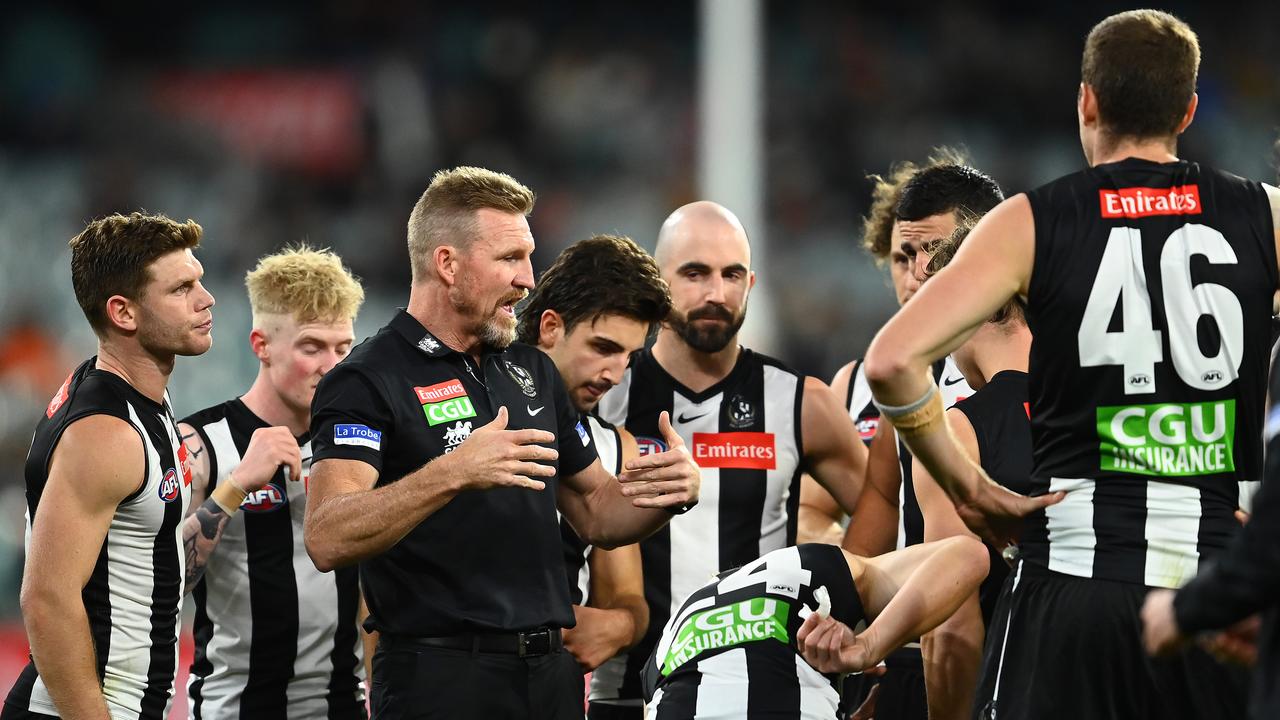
<point>649,446</point>
<point>867,428</point>
<point>170,487</point>
<point>269,498</point>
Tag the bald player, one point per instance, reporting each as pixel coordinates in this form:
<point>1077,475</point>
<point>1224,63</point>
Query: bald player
<point>752,424</point>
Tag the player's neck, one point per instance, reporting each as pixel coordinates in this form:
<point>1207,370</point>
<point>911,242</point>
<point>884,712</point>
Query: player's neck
<point>1107,149</point>
<point>264,401</point>
<point>147,373</point>
<point>692,368</point>
<point>997,349</point>
<point>429,305</point>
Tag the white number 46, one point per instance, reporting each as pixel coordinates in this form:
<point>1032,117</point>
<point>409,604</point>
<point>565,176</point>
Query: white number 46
<point>1137,346</point>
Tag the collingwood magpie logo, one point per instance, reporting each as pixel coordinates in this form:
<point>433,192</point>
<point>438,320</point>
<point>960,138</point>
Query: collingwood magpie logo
<point>522,378</point>
<point>741,412</point>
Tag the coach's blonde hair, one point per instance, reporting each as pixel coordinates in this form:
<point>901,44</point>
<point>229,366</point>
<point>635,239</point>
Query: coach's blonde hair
<point>446,212</point>
<point>877,227</point>
<point>309,285</point>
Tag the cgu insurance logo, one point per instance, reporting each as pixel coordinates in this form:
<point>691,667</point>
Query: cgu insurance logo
<point>445,402</point>
<point>1170,439</point>
<point>760,618</point>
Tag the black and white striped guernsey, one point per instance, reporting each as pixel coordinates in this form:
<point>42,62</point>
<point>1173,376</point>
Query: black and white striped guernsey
<point>134,593</point>
<point>274,636</point>
<point>729,651</point>
<point>576,550</point>
<point>744,432</point>
<point>866,417</point>
<point>1150,305</point>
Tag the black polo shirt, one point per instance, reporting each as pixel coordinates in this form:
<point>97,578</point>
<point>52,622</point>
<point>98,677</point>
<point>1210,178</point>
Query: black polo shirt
<point>488,560</point>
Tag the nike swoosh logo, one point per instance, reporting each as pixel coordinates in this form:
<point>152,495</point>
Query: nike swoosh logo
<point>533,411</point>
<point>682,419</point>
<point>952,381</point>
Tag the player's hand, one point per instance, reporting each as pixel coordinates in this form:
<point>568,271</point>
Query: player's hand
<point>995,513</point>
<point>269,448</point>
<point>667,479</point>
<point>494,456</point>
<point>1160,633</point>
<point>596,637</point>
<point>831,647</point>
<point>1237,644</point>
<point>867,710</point>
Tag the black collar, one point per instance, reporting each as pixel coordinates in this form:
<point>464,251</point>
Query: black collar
<point>418,336</point>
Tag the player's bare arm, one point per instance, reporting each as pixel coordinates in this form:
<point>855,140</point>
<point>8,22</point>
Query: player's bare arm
<point>609,513</point>
<point>348,519</point>
<point>833,454</point>
<point>873,526</point>
<point>617,615</point>
<point>97,464</point>
<point>269,448</point>
<point>941,316</point>
<point>819,515</point>
<point>953,650</point>
<point>906,592</point>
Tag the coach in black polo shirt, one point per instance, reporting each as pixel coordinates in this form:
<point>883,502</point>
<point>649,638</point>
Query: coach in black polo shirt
<point>441,454</point>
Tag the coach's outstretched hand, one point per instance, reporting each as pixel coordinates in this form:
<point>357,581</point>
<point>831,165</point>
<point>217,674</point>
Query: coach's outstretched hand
<point>493,456</point>
<point>669,479</point>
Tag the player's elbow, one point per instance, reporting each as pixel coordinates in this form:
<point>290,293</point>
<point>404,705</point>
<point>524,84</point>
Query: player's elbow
<point>323,552</point>
<point>40,605</point>
<point>884,363</point>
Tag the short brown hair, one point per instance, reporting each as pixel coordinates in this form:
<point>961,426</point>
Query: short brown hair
<point>877,226</point>
<point>445,214</point>
<point>309,285</point>
<point>113,256</point>
<point>1142,66</point>
<point>602,275</point>
<point>945,249</point>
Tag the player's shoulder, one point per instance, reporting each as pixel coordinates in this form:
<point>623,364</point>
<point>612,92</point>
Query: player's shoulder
<point>208,416</point>
<point>768,361</point>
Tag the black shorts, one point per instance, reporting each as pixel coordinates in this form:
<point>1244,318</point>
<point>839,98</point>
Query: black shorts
<point>424,682</point>
<point>901,695</point>
<point>1062,646</point>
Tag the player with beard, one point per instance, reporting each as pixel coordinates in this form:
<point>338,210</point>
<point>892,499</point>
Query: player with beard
<point>274,637</point>
<point>754,426</point>
<point>108,483</point>
<point>915,210</point>
<point>441,453</point>
<point>595,305</point>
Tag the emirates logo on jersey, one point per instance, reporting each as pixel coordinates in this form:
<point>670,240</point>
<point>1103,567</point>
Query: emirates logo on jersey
<point>741,450</point>
<point>1141,202</point>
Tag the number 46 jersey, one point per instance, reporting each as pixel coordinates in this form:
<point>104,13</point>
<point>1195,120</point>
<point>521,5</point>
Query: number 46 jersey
<point>1150,301</point>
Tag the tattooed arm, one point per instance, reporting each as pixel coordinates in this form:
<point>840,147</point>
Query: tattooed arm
<point>269,448</point>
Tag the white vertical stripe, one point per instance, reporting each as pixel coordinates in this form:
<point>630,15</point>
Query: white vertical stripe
<point>901,452</point>
<point>818,700</point>
<point>1004,643</point>
<point>613,405</point>
<point>1070,527</point>
<point>606,441</point>
<point>651,708</point>
<point>860,396</point>
<point>227,601</point>
<point>780,421</point>
<point>1248,488</point>
<point>317,616</point>
<point>695,535</point>
<point>722,691</point>
<point>1173,534</point>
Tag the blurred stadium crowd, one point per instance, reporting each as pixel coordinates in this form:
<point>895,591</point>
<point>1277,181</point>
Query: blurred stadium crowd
<point>269,122</point>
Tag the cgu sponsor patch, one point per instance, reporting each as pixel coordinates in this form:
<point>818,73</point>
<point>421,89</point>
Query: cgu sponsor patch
<point>1140,202</point>
<point>1171,439</point>
<point>742,450</point>
<point>445,402</point>
<point>761,618</point>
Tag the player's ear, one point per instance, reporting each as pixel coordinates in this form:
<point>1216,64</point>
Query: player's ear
<point>122,313</point>
<point>550,329</point>
<point>1087,106</point>
<point>258,343</point>
<point>444,260</point>
<point>1190,114</point>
